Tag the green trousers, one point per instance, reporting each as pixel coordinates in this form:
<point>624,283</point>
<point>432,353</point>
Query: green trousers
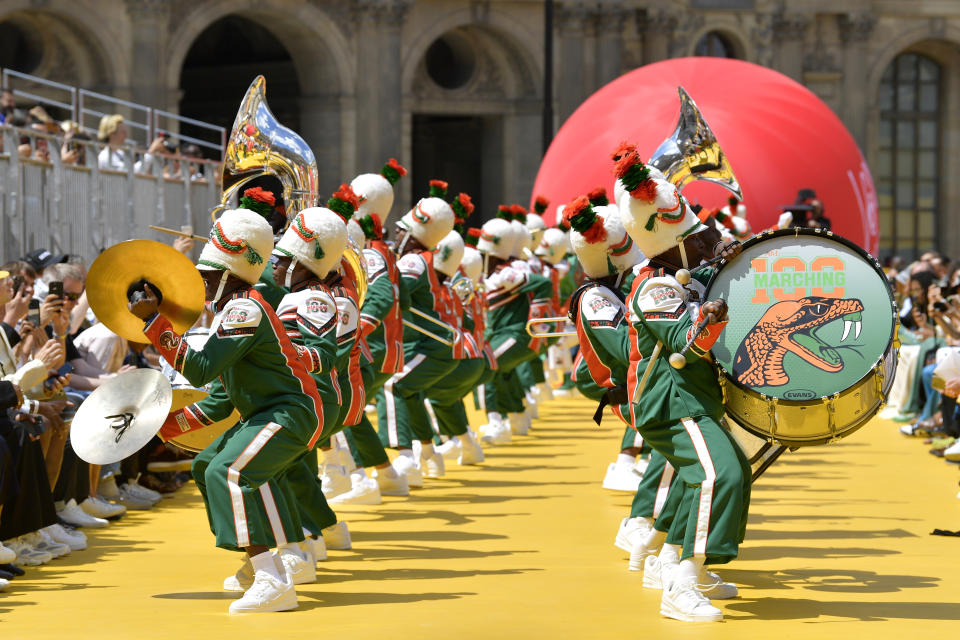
<point>241,478</point>
<point>531,372</point>
<point>401,414</point>
<point>304,481</point>
<point>653,499</point>
<point>715,476</point>
<point>444,399</point>
<point>504,394</point>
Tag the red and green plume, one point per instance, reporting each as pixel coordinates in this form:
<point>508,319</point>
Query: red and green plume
<point>344,202</point>
<point>438,189</point>
<point>372,226</point>
<point>392,171</point>
<point>563,225</point>
<point>505,211</point>
<point>624,149</point>
<point>581,217</point>
<point>462,206</point>
<point>635,175</point>
<point>540,205</point>
<point>472,237</point>
<point>258,200</point>
<point>519,212</point>
<point>598,197</point>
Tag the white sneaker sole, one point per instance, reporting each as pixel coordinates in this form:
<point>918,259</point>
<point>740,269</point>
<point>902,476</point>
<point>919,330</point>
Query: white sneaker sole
<point>286,603</point>
<point>352,498</point>
<point>670,611</point>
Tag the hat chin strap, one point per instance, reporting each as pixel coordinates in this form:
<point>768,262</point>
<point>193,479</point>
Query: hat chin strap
<point>223,284</point>
<point>683,253</point>
<point>288,278</point>
<point>403,243</point>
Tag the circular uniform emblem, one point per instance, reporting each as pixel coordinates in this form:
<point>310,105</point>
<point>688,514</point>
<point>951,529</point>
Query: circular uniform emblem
<point>169,340</point>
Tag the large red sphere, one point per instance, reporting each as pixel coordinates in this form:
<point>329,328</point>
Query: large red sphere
<point>778,136</point>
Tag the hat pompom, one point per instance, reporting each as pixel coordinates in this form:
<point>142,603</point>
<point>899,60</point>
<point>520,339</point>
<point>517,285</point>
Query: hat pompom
<point>505,211</point>
<point>258,200</point>
<point>581,217</point>
<point>393,171</point>
<point>344,202</point>
<point>472,237</point>
<point>462,206</point>
<point>540,205</point>
<point>624,149</point>
<point>635,176</point>
<point>519,212</point>
<point>438,189</point>
<point>598,197</point>
<point>372,226</point>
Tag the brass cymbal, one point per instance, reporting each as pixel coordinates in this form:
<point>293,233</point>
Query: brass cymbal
<point>125,263</point>
<point>121,416</point>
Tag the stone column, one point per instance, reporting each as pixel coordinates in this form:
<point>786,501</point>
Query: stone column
<point>789,32</point>
<point>149,21</point>
<point>610,22</point>
<point>855,30</point>
<point>369,72</point>
<point>391,21</point>
<point>570,72</point>
<point>657,28</point>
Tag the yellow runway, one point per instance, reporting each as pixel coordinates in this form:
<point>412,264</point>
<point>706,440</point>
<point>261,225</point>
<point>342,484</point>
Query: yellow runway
<point>522,547</point>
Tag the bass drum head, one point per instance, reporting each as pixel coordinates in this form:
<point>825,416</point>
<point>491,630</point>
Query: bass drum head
<point>805,355</point>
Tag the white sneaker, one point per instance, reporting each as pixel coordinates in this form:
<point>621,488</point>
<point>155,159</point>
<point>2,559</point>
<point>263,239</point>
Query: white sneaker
<point>131,502</point>
<point>140,492</point>
<point>470,450</point>
<point>7,555</point>
<point>407,467</point>
<point>337,536</point>
<point>639,554</point>
<point>108,488</point>
<point>532,409</point>
<point>396,486</point>
<point>364,491</point>
<point>496,433</point>
<point>42,542</point>
<point>683,601</point>
<point>657,574</point>
<point>334,481</point>
<point>242,579</point>
<point>546,391</point>
<point>712,586</point>
<point>26,554</point>
<point>73,538</point>
<point>74,515</point>
<point>952,452</point>
<point>519,423</point>
<point>450,449</point>
<point>621,478</point>
<point>267,593</point>
<point>631,530</point>
<point>301,567</point>
<point>317,548</point>
<point>4,583</point>
<point>560,392</point>
<point>433,467</point>
<point>100,508</point>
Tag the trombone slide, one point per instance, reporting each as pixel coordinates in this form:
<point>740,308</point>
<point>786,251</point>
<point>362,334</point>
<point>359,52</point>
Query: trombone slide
<point>427,333</point>
<point>440,323</point>
<point>550,334</point>
<point>178,233</point>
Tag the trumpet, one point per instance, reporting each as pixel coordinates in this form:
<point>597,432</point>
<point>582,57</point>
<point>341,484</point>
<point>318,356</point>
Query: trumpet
<point>550,334</point>
<point>464,290</point>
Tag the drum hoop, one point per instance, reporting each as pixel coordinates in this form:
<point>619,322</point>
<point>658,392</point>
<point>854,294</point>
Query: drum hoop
<point>797,232</point>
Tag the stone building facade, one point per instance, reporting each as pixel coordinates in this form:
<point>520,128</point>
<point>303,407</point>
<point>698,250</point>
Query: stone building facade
<point>455,87</point>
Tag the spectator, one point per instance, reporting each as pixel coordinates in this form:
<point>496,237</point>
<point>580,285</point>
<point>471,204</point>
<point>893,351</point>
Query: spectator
<point>73,151</point>
<point>8,105</point>
<point>113,131</point>
<point>39,260</point>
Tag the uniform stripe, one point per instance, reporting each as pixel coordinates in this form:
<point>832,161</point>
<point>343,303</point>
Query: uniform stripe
<point>482,397</point>
<point>272,514</point>
<point>392,432</point>
<point>706,487</point>
<point>663,490</point>
<point>233,480</point>
<point>504,347</point>
<point>432,415</point>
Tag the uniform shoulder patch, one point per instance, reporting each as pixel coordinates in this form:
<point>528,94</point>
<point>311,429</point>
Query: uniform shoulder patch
<point>601,308</point>
<point>376,265</point>
<point>661,298</point>
<point>348,317</point>
<point>239,318</point>
<point>412,265</point>
<point>317,311</point>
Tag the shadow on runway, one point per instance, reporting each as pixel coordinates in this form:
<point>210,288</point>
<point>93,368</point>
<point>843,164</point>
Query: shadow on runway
<point>826,534</point>
<point>751,553</point>
<point>803,609</point>
<point>830,580</point>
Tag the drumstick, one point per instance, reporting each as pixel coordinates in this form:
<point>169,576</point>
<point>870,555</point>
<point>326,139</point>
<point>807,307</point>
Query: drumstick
<point>678,359</point>
<point>178,233</point>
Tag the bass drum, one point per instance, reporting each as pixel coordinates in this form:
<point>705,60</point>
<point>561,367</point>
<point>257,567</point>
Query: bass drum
<point>810,351</point>
<point>185,394</point>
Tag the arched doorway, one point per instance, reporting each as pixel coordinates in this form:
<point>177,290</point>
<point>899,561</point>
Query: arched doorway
<point>717,45</point>
<point>222,62</point>
<point>475,118</point>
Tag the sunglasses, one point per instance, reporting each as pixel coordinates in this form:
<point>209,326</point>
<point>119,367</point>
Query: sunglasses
<point>71,296</point>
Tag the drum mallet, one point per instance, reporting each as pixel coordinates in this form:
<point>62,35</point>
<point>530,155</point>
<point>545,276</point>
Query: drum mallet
<point>678,359</point>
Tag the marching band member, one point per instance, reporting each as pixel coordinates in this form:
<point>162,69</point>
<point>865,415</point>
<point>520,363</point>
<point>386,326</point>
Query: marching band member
<point>401,415</point>
<point>509,290</point>
<point>678,411</point>
<point>445,397</point>
<point>265,379</point>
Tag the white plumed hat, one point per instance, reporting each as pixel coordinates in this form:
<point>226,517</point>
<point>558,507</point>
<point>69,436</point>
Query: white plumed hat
<point>375,191</point>
<point>317,237</point>
<point>497,238</point>
<point>355,232</point>
<point>472,264</point>
<point>431,219</point>
<point>599,239</point>
<point>240,242</point>
<point>449,253</point>
<point>553,245</point>
<point>536,226</point>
